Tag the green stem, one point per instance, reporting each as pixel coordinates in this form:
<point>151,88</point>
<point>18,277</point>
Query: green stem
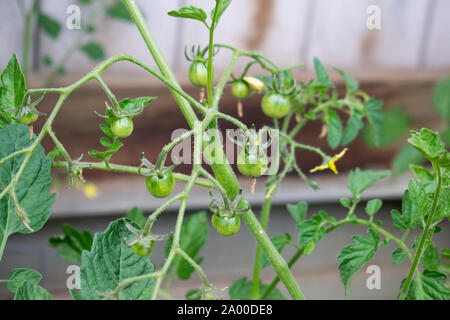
<point>425,233</point>
<point>161,62</point>
<point>27,37</point>
<point>210,55</point>
<point>131,170</point>
<point>257,267</point>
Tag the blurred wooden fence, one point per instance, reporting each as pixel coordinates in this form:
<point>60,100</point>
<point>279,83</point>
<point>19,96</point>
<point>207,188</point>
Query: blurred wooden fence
<point>414,33</point>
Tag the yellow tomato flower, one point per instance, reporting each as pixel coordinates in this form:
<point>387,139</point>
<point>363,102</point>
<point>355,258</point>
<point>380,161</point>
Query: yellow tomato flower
<point>330,163</point>
<point>90,190</point>
<point>255,83</point>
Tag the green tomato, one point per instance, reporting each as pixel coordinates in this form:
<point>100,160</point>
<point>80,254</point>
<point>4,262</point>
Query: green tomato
<point>160,185</point>
<point>276,105</point>
<point>122,127</point>
<point>198,74</point>
<point>140,250</point>
<point>226,226</point>
<point>240,89</point>
<point>251,165</point>
<point>28,118</point>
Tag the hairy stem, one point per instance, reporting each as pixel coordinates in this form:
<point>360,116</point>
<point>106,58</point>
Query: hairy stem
<point>425,234</point>
<point>256,268</point>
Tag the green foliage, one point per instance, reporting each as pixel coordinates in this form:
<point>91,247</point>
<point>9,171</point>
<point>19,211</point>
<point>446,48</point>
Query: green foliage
<point>313,230</point>
<point>335,130</point>
<point>190,12</point>
<point>298,211</point>
<point>395,125</point>
<point>409,218</point>
<point>323,78</point>
<point>354,125</point>
<point>441,98</point>
<point>72,243</point>
<point>405,157</point>
<point>398,256</point>
<point>25,284</point>
<point>29,291</point>
<point>361,180</point>
<point>375,117</point>
<point>111,261</point>
<point>93,50</point>
<point>31,189</point>
<point>193,236</point>
<point>353,257</point>
<point>49,25</point>
<point>242,290</point>
<point>428,143</point>
<point>350,82</point>
<point>19,276</point>
<point>221,7</point>
<point>280,242</point>
<point>118,10</point>
<point>373,206</point>
<point>137,216</point>
<point>428,286</point>
<point>13,86</point>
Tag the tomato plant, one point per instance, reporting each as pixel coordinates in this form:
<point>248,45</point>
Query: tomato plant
<point>25,166</point>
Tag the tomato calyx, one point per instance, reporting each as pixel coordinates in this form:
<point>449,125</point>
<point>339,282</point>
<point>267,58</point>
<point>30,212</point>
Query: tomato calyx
<point>143,243</point>
<point>198,71</point>
<point>27,113</point>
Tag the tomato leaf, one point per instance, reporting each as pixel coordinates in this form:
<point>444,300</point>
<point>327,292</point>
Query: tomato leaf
<point>353,257</point>
<point>119,11</point>
<point>111,261</point>
<point>242,290</point>
<point>190,12</point>
<point>19,276</point>
<point>30,291</point>
<point>334,129</point>
<point>13,85</point>
<point>93,51</point>
<point>373,206</point>
<point>193,236</point>
<point>321,73</point>
<point>441,98</point>
<point>313,230</point>
<point>361,180</point>
<point>398,256</point>
<point>410,216</point>
<point>428,143</point>
<point>354,125</point>
<point>50,25</point>
<point>428,287</point>
<point>72,243</point>
<point>430,258</point>
<point>298,211</point>
<point>395,125</point>
<point>221,7</point>
<point>31,189</point>
<point>350,82</point>
<point>405,157</point>
<point>374,114</point>
<point>135,106</point>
